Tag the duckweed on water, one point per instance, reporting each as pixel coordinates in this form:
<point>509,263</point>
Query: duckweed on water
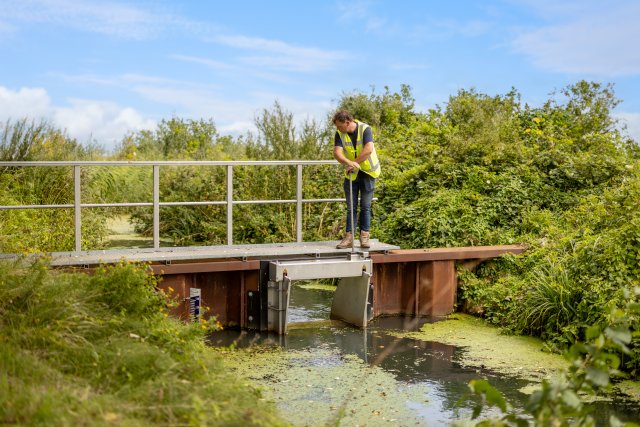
<point>322,387</point>
<point>487,346</point>
<point>318,286</point>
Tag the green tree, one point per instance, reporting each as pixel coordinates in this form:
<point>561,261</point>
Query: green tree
<point>42,229</point>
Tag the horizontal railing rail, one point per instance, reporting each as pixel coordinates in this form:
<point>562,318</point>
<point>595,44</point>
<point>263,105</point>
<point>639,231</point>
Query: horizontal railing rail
<point>77,204</point>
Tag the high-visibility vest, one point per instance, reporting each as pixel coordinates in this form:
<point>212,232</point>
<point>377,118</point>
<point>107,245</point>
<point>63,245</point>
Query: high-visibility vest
<point>371,165</point>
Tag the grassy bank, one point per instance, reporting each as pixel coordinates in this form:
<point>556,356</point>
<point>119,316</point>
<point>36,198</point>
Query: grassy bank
<point>78,349</point>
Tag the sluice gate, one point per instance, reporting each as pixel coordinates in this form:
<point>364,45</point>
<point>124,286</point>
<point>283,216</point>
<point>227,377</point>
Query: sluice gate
<point>247,286</point>
<point>350,300</point>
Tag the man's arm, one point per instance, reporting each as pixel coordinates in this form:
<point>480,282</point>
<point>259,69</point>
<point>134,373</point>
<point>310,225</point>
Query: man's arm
<point>366,152</point>
<point>338,154</point>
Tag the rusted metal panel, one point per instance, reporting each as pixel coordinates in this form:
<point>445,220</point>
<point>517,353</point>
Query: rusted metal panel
<point>393,289</point>
<point>424,288</point>
<point>206,266</point>
<point>445,282</point>
<point>223,284</point>
<point>221,295</point>
<point>177,286</point>
<point>436,288</point>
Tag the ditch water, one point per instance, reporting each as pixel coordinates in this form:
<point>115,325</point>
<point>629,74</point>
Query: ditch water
<point>327,373</point>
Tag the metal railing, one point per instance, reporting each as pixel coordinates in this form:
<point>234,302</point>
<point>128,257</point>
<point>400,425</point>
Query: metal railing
<point>156,203</point>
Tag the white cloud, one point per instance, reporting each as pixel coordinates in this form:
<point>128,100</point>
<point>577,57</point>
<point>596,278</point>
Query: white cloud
<point>86,120</point>
<point>239,127</point>
<point>353,10</point>
<point>104,122</point>
<point>632,122</point>
<point>281,55</point>
<point>211,63</point>
<point>106,17</point>
<point>31,103</point>
<point>597,38</point>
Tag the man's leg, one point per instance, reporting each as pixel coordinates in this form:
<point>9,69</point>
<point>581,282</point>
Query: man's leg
<point>367,187</point>
<point>349,188</point>
<point>352,187</point>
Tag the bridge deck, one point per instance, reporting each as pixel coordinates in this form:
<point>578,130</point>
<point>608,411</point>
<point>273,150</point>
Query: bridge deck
<point>199,253</point>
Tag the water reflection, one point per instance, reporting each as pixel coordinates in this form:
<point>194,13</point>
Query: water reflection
<point>434,369</point>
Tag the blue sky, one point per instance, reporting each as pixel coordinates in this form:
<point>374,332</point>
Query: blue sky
<point>102,68</point>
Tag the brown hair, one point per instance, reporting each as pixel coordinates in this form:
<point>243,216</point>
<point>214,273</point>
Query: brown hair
<point>342,116</point>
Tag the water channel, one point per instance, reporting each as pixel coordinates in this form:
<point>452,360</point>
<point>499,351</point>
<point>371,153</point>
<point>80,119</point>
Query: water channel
<point>328,373</point>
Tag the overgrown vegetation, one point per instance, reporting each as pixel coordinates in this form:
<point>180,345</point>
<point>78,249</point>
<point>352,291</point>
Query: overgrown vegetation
<point>559,402</point>
<point>78,349</point>
<point>561,178</point>
<point>28,230</point>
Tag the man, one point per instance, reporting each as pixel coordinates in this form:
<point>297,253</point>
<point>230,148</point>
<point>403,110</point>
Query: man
<point>353,147</point>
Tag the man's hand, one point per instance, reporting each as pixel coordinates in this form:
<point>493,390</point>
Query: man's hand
<point>353,167</point>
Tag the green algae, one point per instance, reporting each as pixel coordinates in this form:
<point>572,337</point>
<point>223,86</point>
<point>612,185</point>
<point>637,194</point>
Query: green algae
<point>322,387</point>
<point>630,389</point>
<point>520,356</point>
<point>317,286</point>
<point>486,346</point>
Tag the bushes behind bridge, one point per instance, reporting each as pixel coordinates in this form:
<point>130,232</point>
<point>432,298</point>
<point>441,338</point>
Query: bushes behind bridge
<point>562,178</point>
<point>28,230</point>
<point>79,349</point>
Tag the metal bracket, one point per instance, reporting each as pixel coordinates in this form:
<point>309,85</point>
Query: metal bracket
<point>322,268</point>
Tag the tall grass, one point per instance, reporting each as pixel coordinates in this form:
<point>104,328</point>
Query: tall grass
<point>78,349</point>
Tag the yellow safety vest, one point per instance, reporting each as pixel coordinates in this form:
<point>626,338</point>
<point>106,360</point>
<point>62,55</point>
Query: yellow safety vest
<point>371,165</point>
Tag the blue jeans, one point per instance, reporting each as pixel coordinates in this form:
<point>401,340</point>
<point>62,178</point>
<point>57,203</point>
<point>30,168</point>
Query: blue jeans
<point>363,186</point>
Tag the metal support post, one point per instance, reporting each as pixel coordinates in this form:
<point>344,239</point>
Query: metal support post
<point>229,205</point>
<point>77,208</point>
<point>299,204</point>
<point>278,305</point>
<point>156,206</point>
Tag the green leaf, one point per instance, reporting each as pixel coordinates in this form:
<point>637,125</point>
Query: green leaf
<point>571,399</point>
<point>492,395</point>
<point>620,335</point>
<point>597,376</point>
<point>592,332</point>
<point>634,307</point>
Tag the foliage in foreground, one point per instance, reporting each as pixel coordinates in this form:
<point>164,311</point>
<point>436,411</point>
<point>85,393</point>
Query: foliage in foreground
<point>78,349</point>
<point>560,402</point>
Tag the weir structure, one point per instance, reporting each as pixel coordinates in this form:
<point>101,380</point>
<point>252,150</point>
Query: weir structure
<point>248,286</point>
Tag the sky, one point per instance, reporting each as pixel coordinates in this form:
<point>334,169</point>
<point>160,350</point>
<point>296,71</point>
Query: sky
<point>102,69</point>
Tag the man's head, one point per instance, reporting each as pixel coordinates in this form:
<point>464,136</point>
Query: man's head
<point>344,121</point>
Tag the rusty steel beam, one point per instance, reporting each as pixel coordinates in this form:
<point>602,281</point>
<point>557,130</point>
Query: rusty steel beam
<point>446,254</point>
<point>205,266</point>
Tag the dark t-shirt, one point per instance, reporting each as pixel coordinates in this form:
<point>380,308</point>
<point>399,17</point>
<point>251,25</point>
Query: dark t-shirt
<point>367,136</point>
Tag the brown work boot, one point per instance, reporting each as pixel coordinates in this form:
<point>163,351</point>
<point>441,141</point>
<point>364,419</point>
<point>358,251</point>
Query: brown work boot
<point>364,239</point>
<point>346,242</point>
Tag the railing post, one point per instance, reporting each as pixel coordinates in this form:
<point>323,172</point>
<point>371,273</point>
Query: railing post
<point>299,203</point>
<point>156,206</point>
<point>229,205</point>
<point>76,207</point>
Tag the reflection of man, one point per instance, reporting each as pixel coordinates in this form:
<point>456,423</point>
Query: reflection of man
<point>353,147</point>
